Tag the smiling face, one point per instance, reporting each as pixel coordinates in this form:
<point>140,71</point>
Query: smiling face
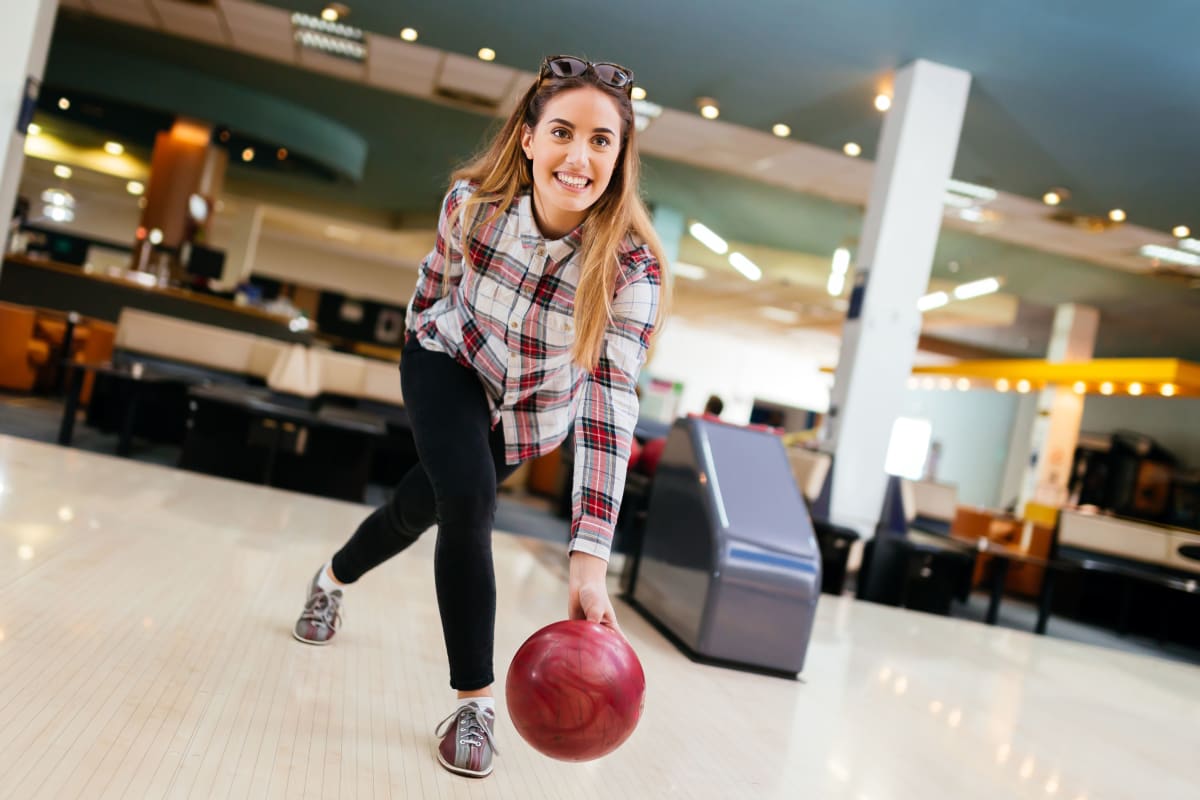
<point>574,149</point>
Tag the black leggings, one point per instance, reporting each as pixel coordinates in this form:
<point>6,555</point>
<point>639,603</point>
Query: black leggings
<point>453,484</point>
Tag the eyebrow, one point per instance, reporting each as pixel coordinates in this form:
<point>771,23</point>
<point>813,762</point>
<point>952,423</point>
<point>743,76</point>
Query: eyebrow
<point>571,125</point>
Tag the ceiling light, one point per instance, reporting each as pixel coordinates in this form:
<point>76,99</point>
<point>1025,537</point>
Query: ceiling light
<point>248,154</point>
<point>944,384</point>
<point>1002,385</point>
<point>1134,388</point>
<point>745,266</point>
<point>645,112</point>
<point>976,288</point>
<point>1080,387</point>
<point>156,236</point>
<point>62,171</point>
<point>1171,255</point>
<point>692,272</point>
<point>58,197</point>
<point>136,188</point>
<point>335,11</point>
<point>836,284</point>
<point>281,153</point>
<point>34,129</point>
<point>58,213</point>
<point>638,93</point>
<point>984,193</point>
<point>852,149</point>
<point>708,107</point>
<point>933,300</point>
<point>329,15</point>
<point>337,46</point>
<point>841,260</point>
<point>1052,198</point>
<point>1179,231</point>
<point>64,103</point>
<point>1116,215</point>
<point>1190,244</point>
<point>883,102</point>
<point>977,214</point>
<point>1106,387</point>
<point>781,130</point>
<point>1023,386</point>
<point>114,148</point>
<point>963,384</point>
<point>409,34</point>
<point>487,54</point>
<point>709,239</point>
<point>1167,390</point>
<point>782,315</point>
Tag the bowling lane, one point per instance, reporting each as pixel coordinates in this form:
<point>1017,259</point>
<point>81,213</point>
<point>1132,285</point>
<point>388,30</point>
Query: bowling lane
<point>145,652</point>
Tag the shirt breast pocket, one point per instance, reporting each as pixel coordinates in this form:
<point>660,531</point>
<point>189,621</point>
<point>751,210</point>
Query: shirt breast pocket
<point>557,331</point>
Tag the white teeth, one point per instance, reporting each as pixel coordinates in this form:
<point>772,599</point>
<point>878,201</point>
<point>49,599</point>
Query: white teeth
<point>577,183</point>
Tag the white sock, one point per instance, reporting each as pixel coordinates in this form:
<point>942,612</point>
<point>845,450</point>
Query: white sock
<point>486,703</point>
<point>327,583</point>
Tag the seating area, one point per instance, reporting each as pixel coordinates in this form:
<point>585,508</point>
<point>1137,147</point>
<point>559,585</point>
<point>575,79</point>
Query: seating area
<point>35,341</point>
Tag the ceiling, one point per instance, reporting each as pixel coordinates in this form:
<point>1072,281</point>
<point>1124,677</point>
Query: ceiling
<point>1072,110</point>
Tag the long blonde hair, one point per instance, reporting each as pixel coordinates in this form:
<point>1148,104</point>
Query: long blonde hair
<point>502,171</point>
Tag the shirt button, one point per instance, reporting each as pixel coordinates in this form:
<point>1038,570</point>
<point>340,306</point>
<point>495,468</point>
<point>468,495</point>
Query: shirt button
<point>514,324</point>
<point>541,249</point>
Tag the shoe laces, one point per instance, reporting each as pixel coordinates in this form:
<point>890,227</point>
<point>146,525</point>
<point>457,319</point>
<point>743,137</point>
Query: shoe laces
<point>473,728</point>
<point>324,608</point>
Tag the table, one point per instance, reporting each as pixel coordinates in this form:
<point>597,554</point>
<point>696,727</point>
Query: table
<point>131,380</point>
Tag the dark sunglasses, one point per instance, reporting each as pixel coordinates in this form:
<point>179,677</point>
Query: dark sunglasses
<point>613,75</point>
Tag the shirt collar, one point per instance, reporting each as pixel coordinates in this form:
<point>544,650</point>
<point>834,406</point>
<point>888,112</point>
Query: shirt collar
<point>531,237</point>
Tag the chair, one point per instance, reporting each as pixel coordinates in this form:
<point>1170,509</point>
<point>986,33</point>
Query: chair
<point>97,348</point>
<point>21,353</point>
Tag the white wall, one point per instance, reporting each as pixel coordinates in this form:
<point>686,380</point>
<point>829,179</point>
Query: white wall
<point>1172,422</point>
<point>741,366</point>
<point>335,269</point>
<point>974,429</point>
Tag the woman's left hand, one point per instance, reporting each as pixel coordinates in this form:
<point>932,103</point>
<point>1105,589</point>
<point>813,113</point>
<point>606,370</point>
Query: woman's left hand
<point>587,592</point>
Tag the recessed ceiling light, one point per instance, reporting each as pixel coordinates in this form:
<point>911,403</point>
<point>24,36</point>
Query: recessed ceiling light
<point>62,171</point>
<point>34,129</point>
<point>963,384</point>
<point>966,291</point>
<point>1002,385</point>
<point>334,11</point>
<point>1106,387</point>
<point>487,54</point>
<point>1023,386</point>
<point>1134,388</point>
<point>409,34</point>
<point>114,148</point>
<point>1116,215</point>
<point>1052,198</point>
<point>1167,390</point>
<point>883,102</point>
<point>156,236</point>
<point>281,153</point>
<point>638,93</point>
<point>781,130</point>
<point>64,103</point>
<point>708,238</point>
<point>1080,387</point>
<point>745,266</point>
<point>708,107</point>
<point>1170,255</point>
<point>136,188</point>
<point>1179,231</point>
<point>852,149</point>
<point>248,154</point>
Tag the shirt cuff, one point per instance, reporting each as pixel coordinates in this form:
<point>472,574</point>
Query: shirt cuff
<point>591,537</point>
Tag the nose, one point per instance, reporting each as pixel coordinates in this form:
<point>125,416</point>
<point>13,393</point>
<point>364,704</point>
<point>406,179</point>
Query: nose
<point>577,154</point>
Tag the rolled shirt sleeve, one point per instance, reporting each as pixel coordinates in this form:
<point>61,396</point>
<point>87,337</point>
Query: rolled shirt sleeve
<point>608,408</point>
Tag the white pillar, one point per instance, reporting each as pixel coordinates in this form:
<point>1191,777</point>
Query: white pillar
<point>1051,445</point>
<point>24,43</point>
<point>899,237</point>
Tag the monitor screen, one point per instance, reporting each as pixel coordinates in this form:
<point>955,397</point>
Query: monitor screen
<point>206,262</point>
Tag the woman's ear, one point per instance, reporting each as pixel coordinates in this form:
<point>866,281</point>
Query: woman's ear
<point>527,141</point>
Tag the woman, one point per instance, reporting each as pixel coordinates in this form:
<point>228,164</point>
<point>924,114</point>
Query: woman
<point>532,314</point>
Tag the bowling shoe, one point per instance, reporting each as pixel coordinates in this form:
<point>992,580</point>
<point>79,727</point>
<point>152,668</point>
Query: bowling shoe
<point>467,743</point>
<point>321,616</point>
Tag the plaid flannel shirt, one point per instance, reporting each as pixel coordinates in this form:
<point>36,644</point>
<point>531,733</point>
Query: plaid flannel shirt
<point>510,319</point>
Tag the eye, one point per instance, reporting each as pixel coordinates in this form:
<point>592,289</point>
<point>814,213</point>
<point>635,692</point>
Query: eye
<point>601,141</point>
<point>560,133</point>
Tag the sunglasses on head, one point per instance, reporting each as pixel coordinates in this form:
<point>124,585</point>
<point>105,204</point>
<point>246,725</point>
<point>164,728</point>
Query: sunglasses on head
<point>613,75</point>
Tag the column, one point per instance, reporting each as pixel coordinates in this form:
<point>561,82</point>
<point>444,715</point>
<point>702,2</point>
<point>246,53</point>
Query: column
<point>24,43</point>
<point>899,237</point>
<point>1051,446</point>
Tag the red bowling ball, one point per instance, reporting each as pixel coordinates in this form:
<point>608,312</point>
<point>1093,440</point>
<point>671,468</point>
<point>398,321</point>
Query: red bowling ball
<point>575,690</point>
